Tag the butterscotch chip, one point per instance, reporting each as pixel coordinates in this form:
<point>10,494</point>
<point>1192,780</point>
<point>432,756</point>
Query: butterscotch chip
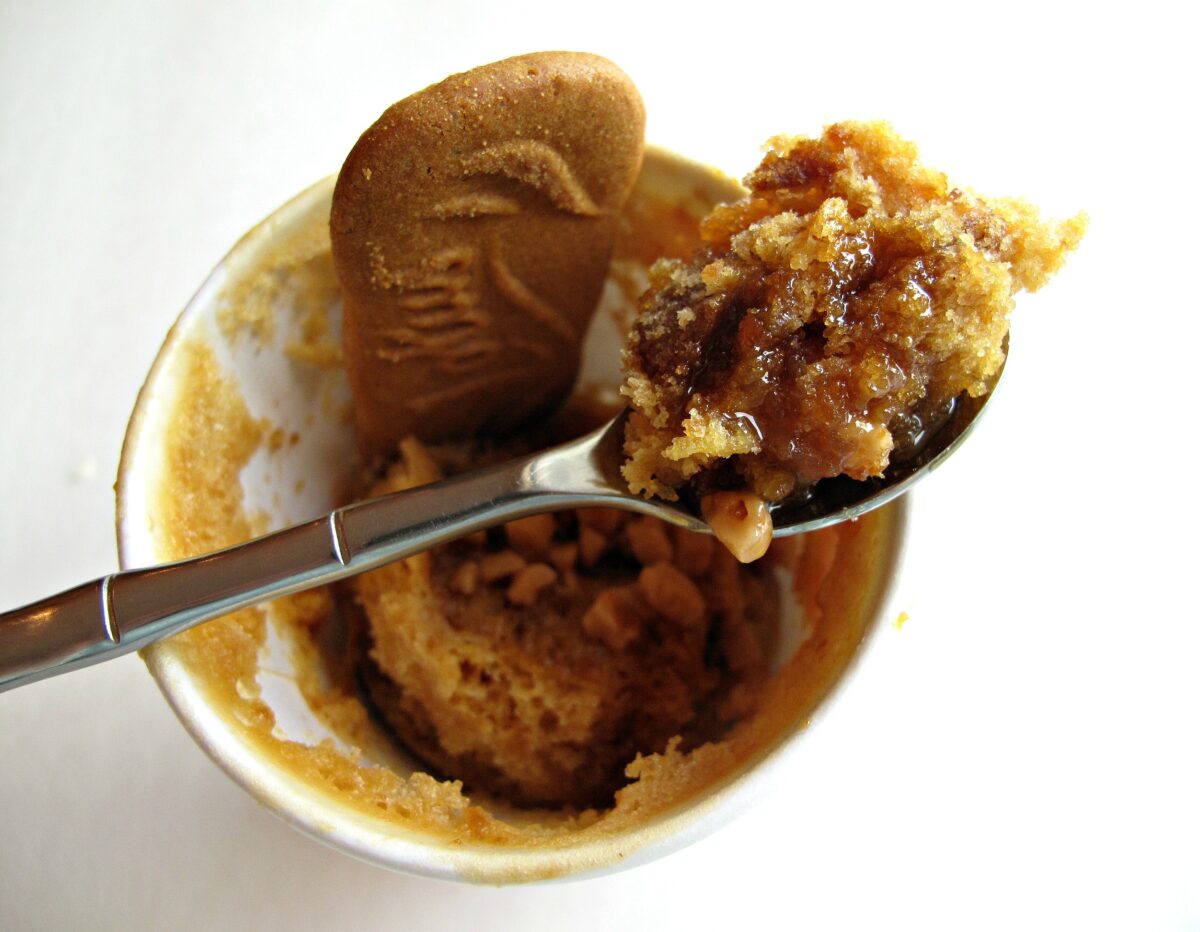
<point>497,566</point>
<point>531,537</point>
<point>472,228</point>
<point>616,617</point>
<point>740,521</point>
<point>604,520</point>
<point>592,545</point>
<point>466,578</point>
<point>568,581</point>
<point>529,582</point>
<point>648,540</point>
<point>672,594</point>
<point>564,556</point>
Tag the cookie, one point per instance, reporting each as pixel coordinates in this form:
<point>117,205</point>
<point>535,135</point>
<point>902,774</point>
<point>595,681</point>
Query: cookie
<point>472,228</point>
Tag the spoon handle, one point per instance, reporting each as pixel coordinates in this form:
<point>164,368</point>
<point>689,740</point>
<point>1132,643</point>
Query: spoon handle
<point>125,611</point>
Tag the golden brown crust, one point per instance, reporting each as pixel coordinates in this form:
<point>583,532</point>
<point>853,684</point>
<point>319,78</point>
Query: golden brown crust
<point>472,229</point>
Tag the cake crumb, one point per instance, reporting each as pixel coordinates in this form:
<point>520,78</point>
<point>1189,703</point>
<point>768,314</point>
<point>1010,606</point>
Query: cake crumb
<point>828,322</point>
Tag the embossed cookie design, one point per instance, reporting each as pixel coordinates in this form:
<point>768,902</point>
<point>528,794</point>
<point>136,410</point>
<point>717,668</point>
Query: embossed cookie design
<point>472,229</point>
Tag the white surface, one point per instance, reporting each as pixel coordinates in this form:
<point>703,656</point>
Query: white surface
<point>1023,753</point>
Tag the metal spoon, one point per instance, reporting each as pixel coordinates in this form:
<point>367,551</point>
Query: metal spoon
<point>128,610</point>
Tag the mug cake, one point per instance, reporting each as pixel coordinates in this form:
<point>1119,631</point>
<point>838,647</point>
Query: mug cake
<point>564,694</point>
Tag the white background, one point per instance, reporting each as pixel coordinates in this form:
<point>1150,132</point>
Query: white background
<point>1022,754</point>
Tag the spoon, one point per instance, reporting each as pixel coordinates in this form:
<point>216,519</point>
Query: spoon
<point>125,611</point>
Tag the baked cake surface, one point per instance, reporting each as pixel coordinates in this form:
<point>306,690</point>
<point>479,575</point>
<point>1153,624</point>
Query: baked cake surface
<point>537,661</point>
